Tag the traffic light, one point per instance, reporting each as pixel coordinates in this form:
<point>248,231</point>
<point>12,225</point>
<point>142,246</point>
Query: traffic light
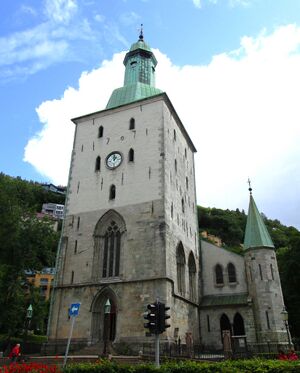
<point>152,317</point>
<point>162,317</point>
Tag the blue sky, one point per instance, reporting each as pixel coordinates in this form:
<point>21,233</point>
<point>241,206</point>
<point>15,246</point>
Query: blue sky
<point>230,67</point>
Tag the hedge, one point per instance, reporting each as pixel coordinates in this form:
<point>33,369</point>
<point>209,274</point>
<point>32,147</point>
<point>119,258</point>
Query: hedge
<point>234,366</point>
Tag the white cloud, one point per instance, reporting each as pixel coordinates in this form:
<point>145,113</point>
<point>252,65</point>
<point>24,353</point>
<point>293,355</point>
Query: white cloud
<point>28,51</point>
<point>50,150</point>
<point>197,3</point>
<point>231,3</point>
<point>99,18</point>
<point>241,111</point>
<point>60,10</point>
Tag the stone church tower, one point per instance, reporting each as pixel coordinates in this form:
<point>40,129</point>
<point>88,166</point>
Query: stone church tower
<point>130,231</point>
<point>263,278</point>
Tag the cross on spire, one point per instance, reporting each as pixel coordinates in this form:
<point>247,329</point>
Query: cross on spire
<point>249,182</point>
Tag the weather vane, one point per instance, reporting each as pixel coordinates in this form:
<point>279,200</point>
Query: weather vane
<point>141,36</point>
<point>249,182</point>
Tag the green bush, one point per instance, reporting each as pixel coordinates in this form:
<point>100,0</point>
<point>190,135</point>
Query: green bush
<point>234,366</point>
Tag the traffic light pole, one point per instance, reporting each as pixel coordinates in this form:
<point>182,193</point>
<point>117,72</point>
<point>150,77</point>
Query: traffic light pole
<point>157,350</point>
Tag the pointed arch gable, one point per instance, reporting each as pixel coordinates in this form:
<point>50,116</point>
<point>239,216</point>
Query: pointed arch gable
<point>105,293</point>
<point>108,217</point>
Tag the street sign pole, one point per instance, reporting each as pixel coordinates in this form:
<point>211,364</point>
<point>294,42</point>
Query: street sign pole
<point>73,312</point>
<point>69,341</point>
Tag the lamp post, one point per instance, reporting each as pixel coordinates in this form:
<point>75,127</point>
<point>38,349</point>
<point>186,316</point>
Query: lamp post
<point>285,319</point>
<point>107,308</point>
<point>29,313</point>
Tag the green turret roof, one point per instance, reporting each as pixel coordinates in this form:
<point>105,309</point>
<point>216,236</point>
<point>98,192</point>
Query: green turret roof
<point>256,234</point>
<point>139,80</point>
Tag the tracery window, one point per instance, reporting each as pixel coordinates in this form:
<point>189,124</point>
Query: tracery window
<point>219,274</point>
<point>231,273</point>
<point>109,239</point>
<point>180,261</point>
<point>111,252</point>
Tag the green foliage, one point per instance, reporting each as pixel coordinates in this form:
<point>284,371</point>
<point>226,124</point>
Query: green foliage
<point>229,366</point>
<point>25,243</point>
<point>226,224</point>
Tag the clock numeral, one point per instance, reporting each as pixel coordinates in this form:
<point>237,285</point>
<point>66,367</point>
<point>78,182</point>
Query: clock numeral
<point>107,140</point>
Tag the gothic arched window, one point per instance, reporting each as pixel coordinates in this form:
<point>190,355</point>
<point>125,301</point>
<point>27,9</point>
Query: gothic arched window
<point>219,274</point>
<point>132,124</point>
<point>111,251</point>
<point>100,131</point>
<point>192,276</point>
<point>131,155</point>
<point>108,245</point>
<point>180,261</point>
<point>231,273</point>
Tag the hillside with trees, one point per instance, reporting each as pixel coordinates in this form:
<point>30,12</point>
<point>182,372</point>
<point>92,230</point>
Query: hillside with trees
<point>26,243</point>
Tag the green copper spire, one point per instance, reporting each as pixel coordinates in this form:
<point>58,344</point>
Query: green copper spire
<point>256,234</point>
<point>139,81</point>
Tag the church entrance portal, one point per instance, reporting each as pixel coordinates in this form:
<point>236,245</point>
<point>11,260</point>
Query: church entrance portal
<point>99,326</point>
<point>224,325</point>
<point>238,325</point>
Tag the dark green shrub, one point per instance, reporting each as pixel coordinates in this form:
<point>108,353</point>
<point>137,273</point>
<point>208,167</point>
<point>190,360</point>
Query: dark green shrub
<point>229,366</point>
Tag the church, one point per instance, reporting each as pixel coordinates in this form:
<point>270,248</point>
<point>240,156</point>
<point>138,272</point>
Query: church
<point>130,234</point>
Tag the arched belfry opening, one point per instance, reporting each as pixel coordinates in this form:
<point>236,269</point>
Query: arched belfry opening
<point>104,323</point>
<point>108,246</point>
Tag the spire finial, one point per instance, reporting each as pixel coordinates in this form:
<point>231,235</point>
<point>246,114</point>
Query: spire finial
<point>141,36</point>
<point>250,189</point>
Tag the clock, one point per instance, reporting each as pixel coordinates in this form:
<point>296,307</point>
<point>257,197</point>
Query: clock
<point>113,160</point>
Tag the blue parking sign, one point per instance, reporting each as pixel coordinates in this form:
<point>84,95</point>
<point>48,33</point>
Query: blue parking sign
<point>74,309</point>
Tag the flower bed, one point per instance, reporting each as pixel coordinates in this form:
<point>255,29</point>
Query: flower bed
<point>29,367</point>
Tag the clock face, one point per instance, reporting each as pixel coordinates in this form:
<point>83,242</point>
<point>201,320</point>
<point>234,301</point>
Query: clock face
<point>113,160</point>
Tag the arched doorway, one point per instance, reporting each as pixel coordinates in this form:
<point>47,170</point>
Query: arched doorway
<point>224,325</point>
<point>99,320</point>
<point>238,325</point>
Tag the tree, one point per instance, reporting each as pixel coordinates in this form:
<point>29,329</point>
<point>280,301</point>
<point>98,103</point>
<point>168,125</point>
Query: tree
<point>25,243</point>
